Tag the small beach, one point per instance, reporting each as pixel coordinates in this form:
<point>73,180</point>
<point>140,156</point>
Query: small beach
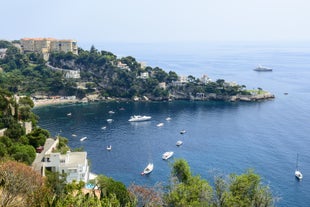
<point>46,102</point>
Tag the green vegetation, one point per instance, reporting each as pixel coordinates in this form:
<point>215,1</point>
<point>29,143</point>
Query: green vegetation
<point>21,186</point>
<point>16,144</point>
<point>102,73</point>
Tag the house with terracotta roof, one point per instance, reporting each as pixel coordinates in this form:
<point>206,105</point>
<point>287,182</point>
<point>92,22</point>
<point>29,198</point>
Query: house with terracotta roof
<point>45,46</point>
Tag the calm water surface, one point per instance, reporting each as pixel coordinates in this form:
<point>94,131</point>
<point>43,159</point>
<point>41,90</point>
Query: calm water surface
<point>221,138</point>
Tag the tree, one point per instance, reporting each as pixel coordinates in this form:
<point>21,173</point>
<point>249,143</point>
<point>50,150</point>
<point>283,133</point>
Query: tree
<point>172,76</point>
<point>38,137</point>
<point>23,153</point>
<point>243,190</point>
<point>108,187</point>
<point>15,130</point>
<point>189,190</point>
<point>181,170</point>
<point>19,185</point>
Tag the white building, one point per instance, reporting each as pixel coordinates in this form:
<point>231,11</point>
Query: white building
<point>74,164</point>
<point>205,79</point>
<point>123,66</point>
<point>72,73</point>
<point>144,75</point>
<point>3,52</point>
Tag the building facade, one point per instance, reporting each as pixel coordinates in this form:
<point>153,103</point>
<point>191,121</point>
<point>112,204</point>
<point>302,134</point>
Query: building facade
<point>45,46</point>
<point>73,164</point>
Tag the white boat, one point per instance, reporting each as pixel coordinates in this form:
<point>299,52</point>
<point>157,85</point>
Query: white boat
<point>168,118</point>
<point>111,112</point>
<point>139,118</point>
<point>83,138</point>
<point>182,131</point>
<point>298,173</point>
<point>149,168</point>
<point>109,148</point>
<point>109,120</point>
<point>160,124</point>
<point>73,135</point>
<point>104,127</point>
<point>262,68</point>
<point>69,114</point>
<point>179,143</point>
<point>167,155</point>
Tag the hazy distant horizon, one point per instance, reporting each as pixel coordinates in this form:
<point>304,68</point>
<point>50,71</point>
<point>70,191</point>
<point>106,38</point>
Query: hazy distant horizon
<point>157,21</point>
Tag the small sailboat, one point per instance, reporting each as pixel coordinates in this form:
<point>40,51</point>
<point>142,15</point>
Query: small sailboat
<point>109,148</point>
<point>83,138</point>
<point>298,173</point>
<point>149,168</point>
<point>167,155</point>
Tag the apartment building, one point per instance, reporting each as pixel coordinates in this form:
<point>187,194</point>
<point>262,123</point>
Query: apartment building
<point>45,46</point>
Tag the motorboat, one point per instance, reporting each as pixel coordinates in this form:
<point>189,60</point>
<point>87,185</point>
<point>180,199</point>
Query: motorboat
<point>104,127</point>
<point>179,143</point>
<point>73,135</point>
<point>167,155</point>
<point>109,148</point>
<point>69,114</point>
<point>83,138</point>
<point>298,174</point>
<point>168,118</point>
<point>136,118</point>
<point>109,120</point>
<point>160,124</point>
<point>111,112</point>
<point>263,69</point>
<point>182,131</point>
<point>149,168</point>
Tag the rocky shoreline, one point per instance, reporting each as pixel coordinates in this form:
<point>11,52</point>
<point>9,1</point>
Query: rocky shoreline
<point>173,97</point>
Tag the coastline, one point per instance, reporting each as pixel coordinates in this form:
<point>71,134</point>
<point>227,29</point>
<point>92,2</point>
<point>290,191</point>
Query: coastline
<point>209,97</point>
<point>47,102</point>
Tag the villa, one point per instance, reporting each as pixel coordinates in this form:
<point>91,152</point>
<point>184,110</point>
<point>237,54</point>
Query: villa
<point>73,164</point>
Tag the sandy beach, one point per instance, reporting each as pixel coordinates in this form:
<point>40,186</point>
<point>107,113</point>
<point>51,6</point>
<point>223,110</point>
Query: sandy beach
<point>46,102</point>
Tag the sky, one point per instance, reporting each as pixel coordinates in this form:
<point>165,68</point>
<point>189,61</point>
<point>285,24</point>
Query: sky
<point>151,21</point>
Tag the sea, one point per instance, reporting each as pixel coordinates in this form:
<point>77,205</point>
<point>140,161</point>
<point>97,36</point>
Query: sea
<point>221,137</point>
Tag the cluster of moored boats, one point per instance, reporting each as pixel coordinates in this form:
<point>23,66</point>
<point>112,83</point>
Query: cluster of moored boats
<point>165,156</point>
<point>139,118</point>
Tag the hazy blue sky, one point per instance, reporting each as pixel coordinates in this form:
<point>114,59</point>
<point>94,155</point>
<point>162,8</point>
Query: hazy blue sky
<point>157,20</point>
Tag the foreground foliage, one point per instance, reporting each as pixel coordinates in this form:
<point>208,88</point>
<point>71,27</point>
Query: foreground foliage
<point>21,186</point>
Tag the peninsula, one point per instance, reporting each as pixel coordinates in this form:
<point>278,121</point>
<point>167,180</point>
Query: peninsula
<point>68,74</point>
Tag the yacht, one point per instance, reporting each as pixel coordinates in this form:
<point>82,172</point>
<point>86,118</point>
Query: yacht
<point>262,68</point>
<point>139,118</point>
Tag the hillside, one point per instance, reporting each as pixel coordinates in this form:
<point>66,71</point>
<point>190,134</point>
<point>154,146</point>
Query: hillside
<point>104,74</point>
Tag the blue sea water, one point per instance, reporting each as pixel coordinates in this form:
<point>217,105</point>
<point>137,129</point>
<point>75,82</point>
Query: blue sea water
<point>221,138</point>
